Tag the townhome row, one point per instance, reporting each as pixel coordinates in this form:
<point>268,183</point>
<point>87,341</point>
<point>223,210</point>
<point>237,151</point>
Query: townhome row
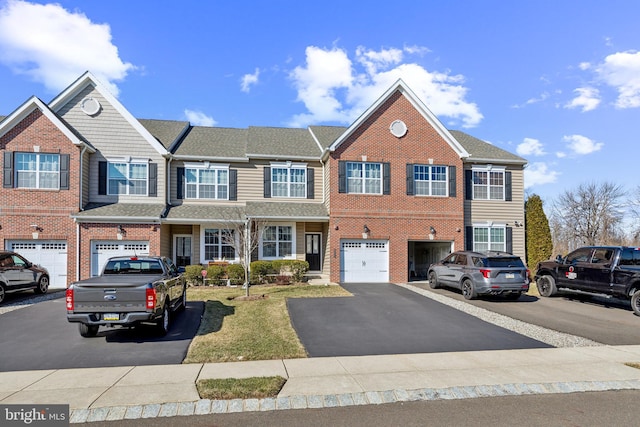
<point>378,201</point>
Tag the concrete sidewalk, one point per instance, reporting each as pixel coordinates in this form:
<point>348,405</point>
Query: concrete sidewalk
<point>99,394</point>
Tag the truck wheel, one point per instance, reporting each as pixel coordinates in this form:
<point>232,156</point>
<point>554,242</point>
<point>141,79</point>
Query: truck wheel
<point>433,280</point>
<point>43,285</point>
<point>635,303</point>
<point>3,292</point>
<point>88,331</point>
<point>183,300</point>
<point>468,290</point>
<point>546,286</point>
<point>163,322</point>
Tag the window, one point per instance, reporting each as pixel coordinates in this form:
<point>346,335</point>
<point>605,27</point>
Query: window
<point>127,178</point>
<point>630,256</point>
<point>207,183</point>
<point>277,241</point>
<point>219,244</point>
<point>430,180</point>
<point>289,181</point>
<point>580,255</point>
<point>488,185</point>
<point>364,178</point>
<point>489,239</point>
<point>35,170</point>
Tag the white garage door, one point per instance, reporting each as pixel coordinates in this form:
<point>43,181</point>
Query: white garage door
<point>102,250</point>
<point>51,254</point>
<point>364,261</point>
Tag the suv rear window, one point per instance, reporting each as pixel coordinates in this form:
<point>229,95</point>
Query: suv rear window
<point>503,262</point>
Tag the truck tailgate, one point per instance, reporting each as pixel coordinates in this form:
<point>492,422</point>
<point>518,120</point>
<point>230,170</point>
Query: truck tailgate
<point>111,294</point>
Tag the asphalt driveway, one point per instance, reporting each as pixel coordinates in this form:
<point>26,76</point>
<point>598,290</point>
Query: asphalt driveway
<point>39,337</point>
<point>387,319</point>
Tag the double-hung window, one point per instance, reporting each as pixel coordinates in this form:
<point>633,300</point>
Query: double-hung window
<point>128,178</point>
<point>289,180</point>
<point>37,170</point>
<point>491,238</point>
<point>277,241</point>
<point>364,178</point>
<point>209,182</point>
<point>488,184</point>
<point>219,244</point>
<point>430,180</point>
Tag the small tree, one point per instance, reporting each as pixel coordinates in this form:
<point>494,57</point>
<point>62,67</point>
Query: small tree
<point>538,232</point>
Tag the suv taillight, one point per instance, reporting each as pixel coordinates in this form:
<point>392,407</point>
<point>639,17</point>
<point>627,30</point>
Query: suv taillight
<point>485,273</point>
<point>151,298</point>
<point>69,298</point>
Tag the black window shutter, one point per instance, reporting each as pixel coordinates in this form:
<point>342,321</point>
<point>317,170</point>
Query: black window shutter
<point>267,182</point>
<point>509,242</point>
<point>452,181</point>
<point>64,171</point>
<point>410,190</point>
<point>386,178</point>
<point>468,184</point>
<point>468,237</point>
<point>233,184</point>
<point>179,183</point>
<point>7,170</point>
<point>310,183</point>
<point>102,178</point>
<point>507,186</point>
<point>153,179</point>
<point>342,176</point>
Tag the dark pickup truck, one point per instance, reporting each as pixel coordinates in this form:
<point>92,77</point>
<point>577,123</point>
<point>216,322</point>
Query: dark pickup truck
<point>610,271</point>
<point>130,291</point>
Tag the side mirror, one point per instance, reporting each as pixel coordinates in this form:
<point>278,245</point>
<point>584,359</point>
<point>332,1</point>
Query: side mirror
<point>559,259</point>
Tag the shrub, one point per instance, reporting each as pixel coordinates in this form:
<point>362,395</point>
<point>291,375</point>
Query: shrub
<point>259,271</point>
<point>235,273</point>
<point>193,274</point>
<point>215,272</point>
<point>293,267</point>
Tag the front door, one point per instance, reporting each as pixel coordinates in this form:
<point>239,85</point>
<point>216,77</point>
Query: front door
<point>312,243</point>
<point>183,251</point>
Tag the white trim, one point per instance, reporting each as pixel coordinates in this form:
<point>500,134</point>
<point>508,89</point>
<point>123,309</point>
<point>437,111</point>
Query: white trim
<point>293,241</point>
<point>218,226</point>
<point>205,165</point>
<point>175,246</point>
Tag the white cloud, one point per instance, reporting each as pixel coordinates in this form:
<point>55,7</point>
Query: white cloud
<point>584,66</point>
<point>54,46</point>
<point>622,71</point>
<point>335,88</point>
<point>248,80</point>
<point>588,99</point>
<point>198,118</point>
<point>530,147</point>
<point>581,145</point>
<point>538,173</point>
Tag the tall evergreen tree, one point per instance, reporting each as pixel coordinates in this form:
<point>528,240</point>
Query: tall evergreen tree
<point>538,233</point>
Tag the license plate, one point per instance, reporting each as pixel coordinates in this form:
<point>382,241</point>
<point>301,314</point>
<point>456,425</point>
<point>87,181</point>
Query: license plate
<point>111,316</point>
<point>510,276</point>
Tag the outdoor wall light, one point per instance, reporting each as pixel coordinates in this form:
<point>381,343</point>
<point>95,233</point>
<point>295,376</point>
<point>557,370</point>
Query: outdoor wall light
<point>366,229</point>
<point>36,227</point>
<point>121,230</point>
<point>432,230</point>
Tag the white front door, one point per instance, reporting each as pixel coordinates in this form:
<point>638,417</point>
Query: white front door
<point>364,261</point>
<point>50,254</point>
<point>102,250</point>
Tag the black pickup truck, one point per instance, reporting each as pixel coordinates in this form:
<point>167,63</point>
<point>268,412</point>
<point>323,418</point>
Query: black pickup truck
<point>130,291</point>
<point>610,271</point>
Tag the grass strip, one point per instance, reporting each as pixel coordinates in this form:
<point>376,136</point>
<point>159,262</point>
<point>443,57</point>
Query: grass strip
<point>245,388</point>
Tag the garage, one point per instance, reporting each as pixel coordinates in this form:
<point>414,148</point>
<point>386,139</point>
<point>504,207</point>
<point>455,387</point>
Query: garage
<point>424,253</point>
<point>102,250</point>
<point>51,254</point>
<point>364,261</point>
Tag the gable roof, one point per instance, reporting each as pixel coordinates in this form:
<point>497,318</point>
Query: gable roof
<point>28,107</point>
<point>326,135</point>
<point>211,143</point>
<point>89,79</point>
<point>481,151</point>
<point>167,132</point>
<point>400,86</point>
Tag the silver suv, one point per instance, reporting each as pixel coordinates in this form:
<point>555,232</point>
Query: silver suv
<point>18,274</point>
<point>481,273</point>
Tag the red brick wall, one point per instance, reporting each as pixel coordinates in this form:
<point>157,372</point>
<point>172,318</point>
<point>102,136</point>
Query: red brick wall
<point>49,209</point>
<point>396,217</point>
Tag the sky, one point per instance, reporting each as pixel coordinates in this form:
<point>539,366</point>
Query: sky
<point>554,81</point>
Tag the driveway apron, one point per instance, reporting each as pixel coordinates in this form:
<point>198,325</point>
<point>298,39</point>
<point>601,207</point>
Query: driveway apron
<point>383,318</point>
